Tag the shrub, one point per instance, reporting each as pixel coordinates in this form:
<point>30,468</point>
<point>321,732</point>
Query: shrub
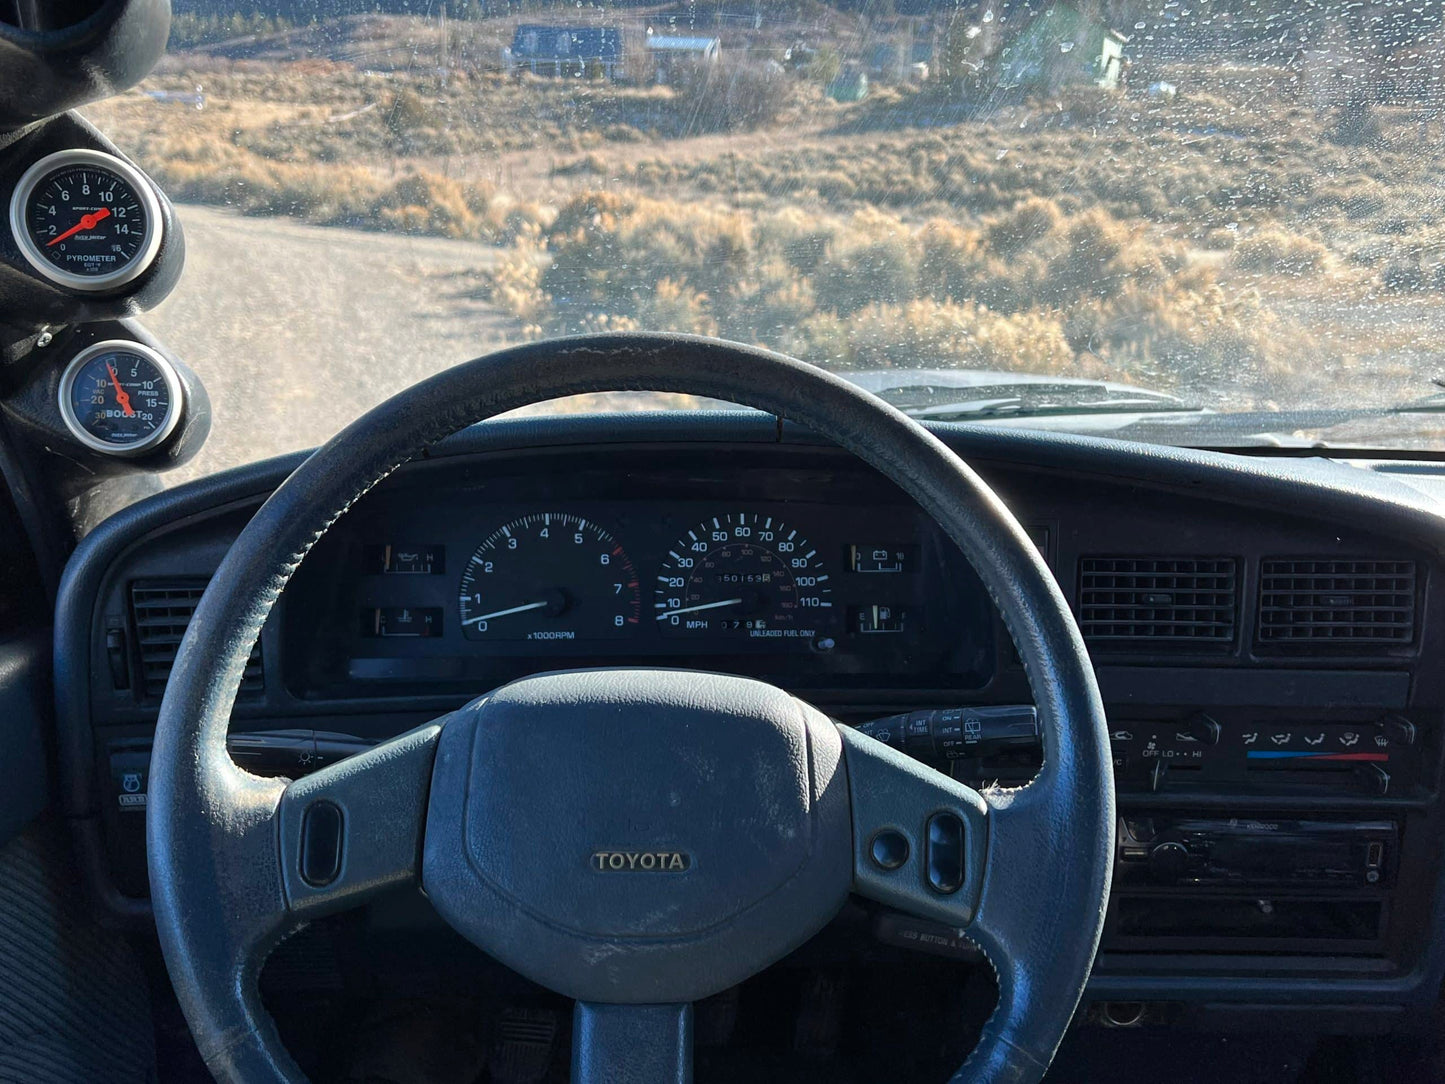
<point>929,334</point>
<point>516,281</point>
<point>407,111</point>
<point>1275,251</point>
<point>427,202</point>
<point>1404,275</point>
<point>673,305</point>
<point>1023,227</point>
<point>733,96</point>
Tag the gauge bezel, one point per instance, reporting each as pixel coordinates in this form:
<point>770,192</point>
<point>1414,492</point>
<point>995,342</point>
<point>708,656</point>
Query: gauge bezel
<point>168,374</point>
<point>753,520</point>
<point>546,517</point>
<point>145,191</point>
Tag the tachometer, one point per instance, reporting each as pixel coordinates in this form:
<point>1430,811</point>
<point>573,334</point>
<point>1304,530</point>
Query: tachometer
<point>743,575</point>
<point>549,576</point>
<point>86,219</point>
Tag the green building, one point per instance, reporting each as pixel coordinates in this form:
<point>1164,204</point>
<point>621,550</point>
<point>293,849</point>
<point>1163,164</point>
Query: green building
<point>1063,47</point>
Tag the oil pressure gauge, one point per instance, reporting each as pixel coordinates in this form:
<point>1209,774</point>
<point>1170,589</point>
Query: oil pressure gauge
<point>120,397</point>
<point>86,220</point>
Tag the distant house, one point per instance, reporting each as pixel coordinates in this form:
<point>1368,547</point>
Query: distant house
<point>898,61</point>
<point>668,53</point>
<point>850,85</point>
<point>1063,47</point>
<point>593,51</point>
<point>886,63</point>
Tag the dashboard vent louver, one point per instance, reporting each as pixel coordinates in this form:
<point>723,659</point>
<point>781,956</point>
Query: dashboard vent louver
<point>160,611</point>
<point>1181,602</point>
<point>1336,600</point>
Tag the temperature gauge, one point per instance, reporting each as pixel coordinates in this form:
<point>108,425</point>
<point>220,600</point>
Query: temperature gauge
<point>120,397</point>
<point>86,220</point>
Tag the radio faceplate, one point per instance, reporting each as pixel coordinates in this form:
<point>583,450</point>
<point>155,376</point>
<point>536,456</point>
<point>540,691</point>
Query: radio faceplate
<point>1254,852</point>
<point>1252,884</point>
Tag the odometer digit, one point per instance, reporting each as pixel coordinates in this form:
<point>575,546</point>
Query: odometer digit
<point>745,575</point>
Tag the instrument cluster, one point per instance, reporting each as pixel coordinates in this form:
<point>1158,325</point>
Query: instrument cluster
<point>858,592</point>
<point>558,577</point>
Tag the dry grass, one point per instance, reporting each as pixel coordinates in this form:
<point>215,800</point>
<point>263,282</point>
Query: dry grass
<point>1032,289</point>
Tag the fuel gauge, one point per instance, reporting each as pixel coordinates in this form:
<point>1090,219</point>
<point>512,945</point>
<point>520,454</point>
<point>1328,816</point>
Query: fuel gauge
<point>120,397</point>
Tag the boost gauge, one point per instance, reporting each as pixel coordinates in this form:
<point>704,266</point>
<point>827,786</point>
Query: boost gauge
<point>86,220</point>
<point>120,397</point>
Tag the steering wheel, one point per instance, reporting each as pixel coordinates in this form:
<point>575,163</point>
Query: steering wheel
<point>634,839</point>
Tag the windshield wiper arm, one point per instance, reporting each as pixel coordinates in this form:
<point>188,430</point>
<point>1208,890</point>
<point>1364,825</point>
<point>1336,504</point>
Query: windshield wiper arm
<point>1272,423</point>
<point>1026,399</point>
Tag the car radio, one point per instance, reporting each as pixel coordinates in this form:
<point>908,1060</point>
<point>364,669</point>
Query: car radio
<point>1254,852</point>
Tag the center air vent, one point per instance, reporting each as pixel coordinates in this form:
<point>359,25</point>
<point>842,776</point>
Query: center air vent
<point>1318,601</point>
<point>1180,602</point>
<point>161,610</point>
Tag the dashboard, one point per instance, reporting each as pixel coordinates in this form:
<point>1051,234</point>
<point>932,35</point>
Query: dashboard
<point>1262,629</point>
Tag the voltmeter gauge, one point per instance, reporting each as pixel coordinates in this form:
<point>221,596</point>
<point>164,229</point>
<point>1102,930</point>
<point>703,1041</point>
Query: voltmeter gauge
<point>120,397</point>
<point>86,220</point>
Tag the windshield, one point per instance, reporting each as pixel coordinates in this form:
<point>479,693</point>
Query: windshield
<point>1209,222</point>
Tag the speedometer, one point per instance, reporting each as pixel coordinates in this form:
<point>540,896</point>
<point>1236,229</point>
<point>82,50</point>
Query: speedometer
<point>744,575</point>
<point>549,576</point>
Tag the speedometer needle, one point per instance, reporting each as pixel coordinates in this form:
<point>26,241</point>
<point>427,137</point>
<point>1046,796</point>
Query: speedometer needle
<point>507,613</point>
<point>695,609</point>
<point>87,222</point>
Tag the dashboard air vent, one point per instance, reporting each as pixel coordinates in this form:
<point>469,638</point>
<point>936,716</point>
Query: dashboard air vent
<point>1336,600</point>
<point>161,610</point>
<point>1183,602</point>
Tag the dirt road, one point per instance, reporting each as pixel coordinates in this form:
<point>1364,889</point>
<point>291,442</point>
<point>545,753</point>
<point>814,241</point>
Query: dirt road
<point>296,329</point>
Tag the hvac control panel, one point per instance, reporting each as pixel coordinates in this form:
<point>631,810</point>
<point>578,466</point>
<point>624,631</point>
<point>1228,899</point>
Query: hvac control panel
<point>1363,753</point>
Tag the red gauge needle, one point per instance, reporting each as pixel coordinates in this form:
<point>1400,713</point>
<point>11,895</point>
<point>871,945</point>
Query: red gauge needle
<point>121,395</point>
<point>87,222</point>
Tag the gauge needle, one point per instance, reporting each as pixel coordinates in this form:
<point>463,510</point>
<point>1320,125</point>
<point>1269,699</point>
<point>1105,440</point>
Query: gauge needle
<point>507,613</point>
<point>121,395</point>
<point>87,222</point>
<point>704,606</point>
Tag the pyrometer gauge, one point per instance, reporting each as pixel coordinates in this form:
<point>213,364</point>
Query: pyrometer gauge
<point>86,220</point>
<point>120,398</point>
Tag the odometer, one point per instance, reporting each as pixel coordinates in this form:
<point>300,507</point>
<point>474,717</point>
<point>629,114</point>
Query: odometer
<point>549,576</point>
<point>744,575</point>
<point>86,220</point>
